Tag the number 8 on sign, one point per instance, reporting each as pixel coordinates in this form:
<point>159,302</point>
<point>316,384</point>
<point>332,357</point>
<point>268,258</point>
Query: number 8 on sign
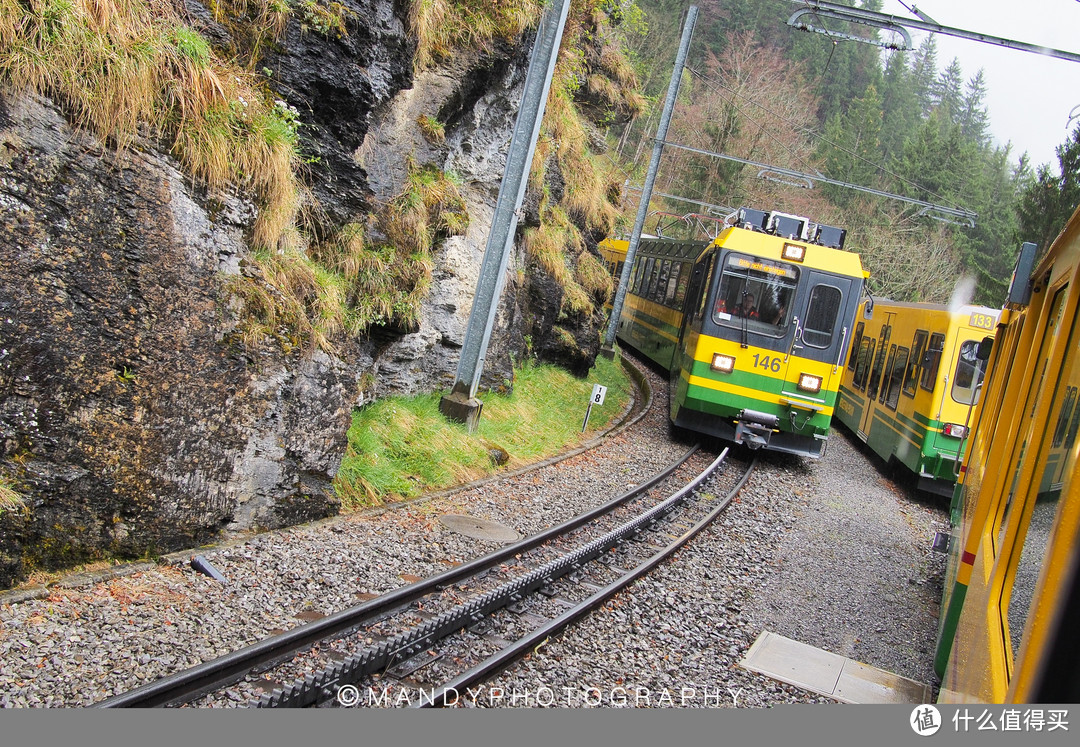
<point>598,393</point>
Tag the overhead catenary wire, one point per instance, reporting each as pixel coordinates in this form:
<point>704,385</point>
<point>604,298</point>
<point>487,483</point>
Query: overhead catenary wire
<point>809,132</point>
<point>940,204</point>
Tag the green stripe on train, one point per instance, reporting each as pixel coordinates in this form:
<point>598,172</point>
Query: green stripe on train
<point>760,383</point>
<point>909,440</point>
<point>765,392</point>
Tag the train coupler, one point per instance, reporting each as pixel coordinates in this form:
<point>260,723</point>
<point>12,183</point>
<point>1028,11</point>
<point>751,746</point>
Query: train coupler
<point>755,428</point>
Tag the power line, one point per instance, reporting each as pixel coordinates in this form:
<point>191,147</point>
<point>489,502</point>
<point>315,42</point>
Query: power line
<point>813,134</point>
<point>929,208</point>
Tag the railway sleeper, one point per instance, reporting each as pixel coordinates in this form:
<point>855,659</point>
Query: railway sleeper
<point>415,664</point>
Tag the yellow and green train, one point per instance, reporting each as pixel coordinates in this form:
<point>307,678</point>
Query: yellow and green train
<point>912,379</point>
<point>1011,599</point>
<point>753,326</point>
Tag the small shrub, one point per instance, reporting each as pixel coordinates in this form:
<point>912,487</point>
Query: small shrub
<point>432,129</point>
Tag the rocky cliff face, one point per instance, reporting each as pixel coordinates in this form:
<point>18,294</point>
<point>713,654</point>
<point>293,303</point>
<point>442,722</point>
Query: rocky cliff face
<point>134,423</point>
<point>130,419</point>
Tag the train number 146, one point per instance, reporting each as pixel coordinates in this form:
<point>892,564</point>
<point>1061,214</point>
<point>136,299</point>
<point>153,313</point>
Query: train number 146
<point>768,362</point>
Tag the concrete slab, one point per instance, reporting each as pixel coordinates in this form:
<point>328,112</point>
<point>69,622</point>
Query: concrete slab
<point>861,683</point>
<point>795,663</point>
<point>477,528</point>
<point>829,674</point>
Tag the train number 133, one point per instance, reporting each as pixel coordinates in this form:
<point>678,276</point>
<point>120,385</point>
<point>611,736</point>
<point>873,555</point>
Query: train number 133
<point>768,362</point>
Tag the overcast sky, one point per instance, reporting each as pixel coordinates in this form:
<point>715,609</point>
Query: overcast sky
<point>1030,96</point>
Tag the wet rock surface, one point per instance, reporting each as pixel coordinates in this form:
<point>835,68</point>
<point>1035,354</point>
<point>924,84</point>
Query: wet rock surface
<point>133,420</point>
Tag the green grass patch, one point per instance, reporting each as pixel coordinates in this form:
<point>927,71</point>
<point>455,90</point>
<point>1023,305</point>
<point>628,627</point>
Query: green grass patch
<point>10,500</point>
<point>402,447</point>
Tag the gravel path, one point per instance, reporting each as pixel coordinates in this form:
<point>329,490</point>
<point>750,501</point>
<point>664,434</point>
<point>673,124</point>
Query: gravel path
<point>827,552</point>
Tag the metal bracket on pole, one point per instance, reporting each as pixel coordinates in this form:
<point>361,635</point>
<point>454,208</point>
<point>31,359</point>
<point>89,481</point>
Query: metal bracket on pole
<point>650,178</point>
<point>888,22</point>
<point>461,404</point>
<point>796,22</point>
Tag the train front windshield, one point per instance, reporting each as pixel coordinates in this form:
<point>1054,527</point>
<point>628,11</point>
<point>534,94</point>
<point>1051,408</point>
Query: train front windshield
<point>968,375</point>
<point>756,289</point>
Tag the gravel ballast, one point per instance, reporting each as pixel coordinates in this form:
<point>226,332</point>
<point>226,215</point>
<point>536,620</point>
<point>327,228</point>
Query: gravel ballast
<point>828,552</point>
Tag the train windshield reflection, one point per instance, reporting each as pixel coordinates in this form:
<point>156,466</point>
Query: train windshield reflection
<point>757,289</point>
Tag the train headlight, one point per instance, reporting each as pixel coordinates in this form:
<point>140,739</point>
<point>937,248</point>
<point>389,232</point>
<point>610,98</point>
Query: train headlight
<point>810,383</point>
<point>793,252</point>
<point>954,430</point>
<point>723,363</point>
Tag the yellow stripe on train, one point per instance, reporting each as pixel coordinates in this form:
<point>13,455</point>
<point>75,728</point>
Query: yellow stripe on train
<point>791,399</point>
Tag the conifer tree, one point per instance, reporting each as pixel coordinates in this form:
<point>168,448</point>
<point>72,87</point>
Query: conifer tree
<point>974,118</point>
<point>924,75</point>
<point>1048,200</point>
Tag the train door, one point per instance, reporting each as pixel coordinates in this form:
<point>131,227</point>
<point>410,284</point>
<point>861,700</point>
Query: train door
<point>873,382</point>
<point>823,328</point>
<point>960,387</point>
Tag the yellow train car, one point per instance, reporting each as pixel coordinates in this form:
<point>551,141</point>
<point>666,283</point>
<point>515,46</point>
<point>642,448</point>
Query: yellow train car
<point>1012,593</point>
<point>753,326</point>
<point>912,379</point>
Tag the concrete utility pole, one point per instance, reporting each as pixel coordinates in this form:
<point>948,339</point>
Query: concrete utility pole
<point>461,404</point>
<point>646,191</point>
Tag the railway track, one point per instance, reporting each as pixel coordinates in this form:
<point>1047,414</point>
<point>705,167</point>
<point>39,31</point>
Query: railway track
<point>449,631</point>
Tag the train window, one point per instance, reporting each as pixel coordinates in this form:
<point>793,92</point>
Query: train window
<point>821,316</point>
<point>966,378</point>
<point>635,280</point>
<point>1063,417</point>
<point>673,284</point>
<point>888,370</point>
<point>682,283</point>
<point>643,265</point>
<point>866,354</point>
<point>758,290</point>
<point>1074,425</point>
<point>700,282</point>
<point>911,378</point>
<point>896,378</point>
<point>646,277</point>
<point>931,360</point>
<point>855,343</point>
<point>659,288</point>
<point>879,365</point>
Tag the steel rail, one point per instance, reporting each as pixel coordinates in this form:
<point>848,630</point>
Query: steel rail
<point>448,694</point>
<point>320,687</point>
<point>211,675</point>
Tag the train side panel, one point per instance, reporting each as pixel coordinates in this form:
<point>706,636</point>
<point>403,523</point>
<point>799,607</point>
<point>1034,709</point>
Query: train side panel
<point>911,382</point>
<point>1015,565</point>
<point>652,314</point>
